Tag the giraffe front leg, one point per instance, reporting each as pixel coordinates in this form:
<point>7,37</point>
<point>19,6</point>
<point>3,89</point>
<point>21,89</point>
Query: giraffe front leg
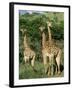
<point>33,61</point>
<point>49,70</point>
<point>45,63</point>
<point>25,59</point>
<point>52,66</point>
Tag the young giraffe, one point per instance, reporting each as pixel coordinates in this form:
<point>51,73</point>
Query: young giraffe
<point>45,52</point>
<point>29,54</point>
<point>56,51</point>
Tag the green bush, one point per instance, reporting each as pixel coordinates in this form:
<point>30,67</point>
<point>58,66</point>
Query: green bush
<point>32,22</point>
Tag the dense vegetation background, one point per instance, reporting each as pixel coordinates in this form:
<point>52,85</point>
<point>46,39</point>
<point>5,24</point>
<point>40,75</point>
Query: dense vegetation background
<point>32,22</point>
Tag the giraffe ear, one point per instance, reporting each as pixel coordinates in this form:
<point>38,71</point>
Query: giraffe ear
<point>41,28</point>
<point>25,30</point>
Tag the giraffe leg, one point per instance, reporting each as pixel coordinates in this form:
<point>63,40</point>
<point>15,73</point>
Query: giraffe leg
<point>52,68</point>
<point>49,70</point>
<point>49,67</point>
<point>58,60</point>
<point>25,59</point>
<point>58,63</point>
<point>56,70</point>
<point>33,61</point>
<point>45,63</point>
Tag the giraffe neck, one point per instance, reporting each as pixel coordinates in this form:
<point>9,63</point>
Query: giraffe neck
<point>25,42</point>
<point>49,32</point>
<point>43,40</point>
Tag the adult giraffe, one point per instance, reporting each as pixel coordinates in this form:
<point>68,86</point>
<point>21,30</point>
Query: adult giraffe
<point>56,51</point>
<point>46,53</point>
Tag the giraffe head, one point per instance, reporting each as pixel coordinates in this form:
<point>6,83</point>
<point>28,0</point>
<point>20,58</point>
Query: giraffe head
<point>24,31</point>
<point>49,24</point>
<point>41,28</point>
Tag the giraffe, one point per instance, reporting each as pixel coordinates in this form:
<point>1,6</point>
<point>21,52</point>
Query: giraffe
<point>56,51</point>
<point>46,52</point>
<point>29,54</point>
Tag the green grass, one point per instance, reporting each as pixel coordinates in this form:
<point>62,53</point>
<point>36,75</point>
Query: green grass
<point>27,72</point>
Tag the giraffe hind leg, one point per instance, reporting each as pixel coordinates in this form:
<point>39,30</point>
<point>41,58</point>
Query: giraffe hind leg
<point>58,64</point>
